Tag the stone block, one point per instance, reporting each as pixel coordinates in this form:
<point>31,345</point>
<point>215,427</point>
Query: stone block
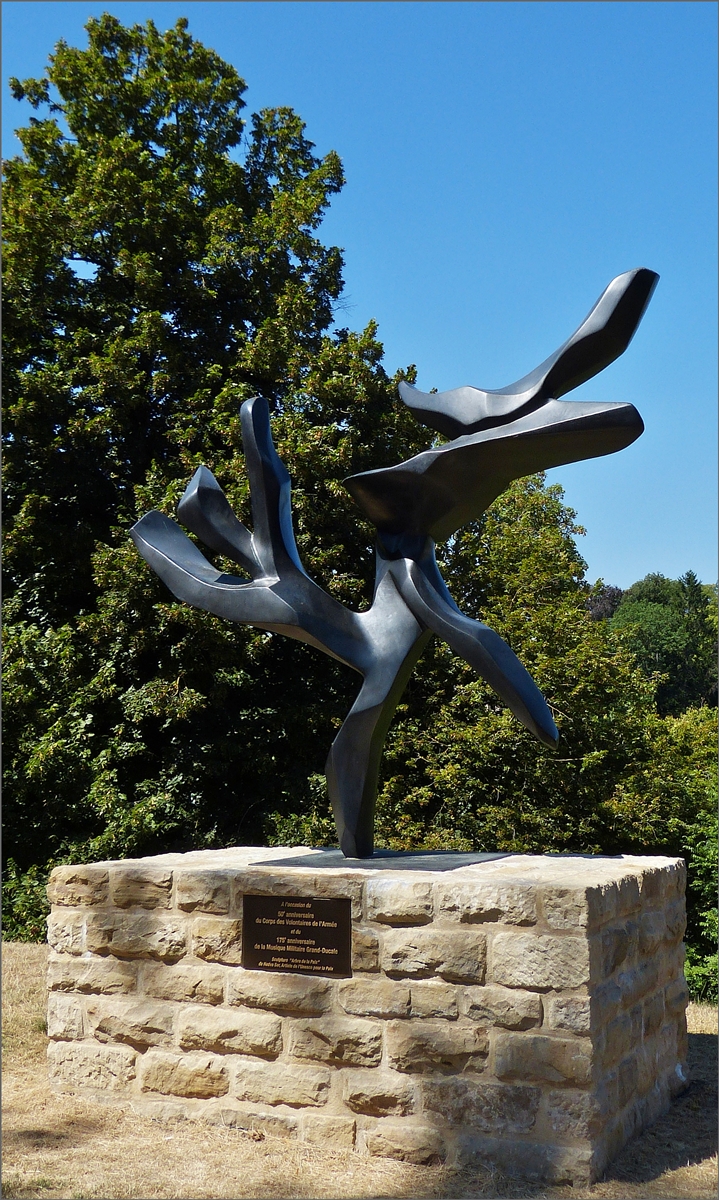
<point>284,993</point>
<point>138,1024</point>
<point>676,919</point>
<point>333,1133</point>
<point>141,886</point>
<point>334,886</point>
<point>374,998</point>
<point>618,1038</point>
<point>335,1040</point>
<point>506,1007</point>
<point>225,1031</point>
<point>216,939</point>
<point>652,932</point>
<point>91,975</point>
<point>66,932</point>
<point>628,898</point>
<point>100,928</point>
<point>83,1065</point>
<point>378,1093</point>
<point>197,1076</point>
<point>676,997</point>
<point>278,1125</point>
<point>574,1114</point>
<point>158,1109</point>
<point>682,1044</point>
<point>477,901</point>
<point>667,1048</point>
<point>635,982</point>
<point>652,1014</point>
<point>456,955</point>
<point>628,1074</point>
<point>528,1161</point>
<point>653,885</point>
<point>65,1018</point>
<point>203,891</point>
<point>434,1000</point>
<point>531,1057</point>
<point>137,935</point>
<point>645,1063</point>
<point>420,1046</point>
<point>573,1013</point>
<point>607,1000</point>
<point>420,1144</point>
<point>618,944</point>
<point>78,886</point>
<point>676,879</point>
<point>281,1083</point>
<point>670,964</point>
<point>646,1110</point>
<point>202,984</point>
<point>678,1080</point>
<point>365,950</point>
<point>399,901</point>
<point>579,906</point>
<point>491,1107</point>
<point>272,1124</point>
<point>528,960</point>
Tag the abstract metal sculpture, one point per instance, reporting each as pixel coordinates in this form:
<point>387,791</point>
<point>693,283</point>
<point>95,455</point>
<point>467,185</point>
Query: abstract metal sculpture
<point>496,437</point>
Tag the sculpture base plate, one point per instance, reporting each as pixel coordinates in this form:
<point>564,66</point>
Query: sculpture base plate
<point>392,860</point>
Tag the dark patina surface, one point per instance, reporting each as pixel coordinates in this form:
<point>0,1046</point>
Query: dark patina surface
<point>497,436</point>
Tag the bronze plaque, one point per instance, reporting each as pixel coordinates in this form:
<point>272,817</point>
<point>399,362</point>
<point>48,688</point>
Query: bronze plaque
<point>296,933</point>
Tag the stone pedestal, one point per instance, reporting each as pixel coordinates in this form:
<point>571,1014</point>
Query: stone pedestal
<point>527,1012</point>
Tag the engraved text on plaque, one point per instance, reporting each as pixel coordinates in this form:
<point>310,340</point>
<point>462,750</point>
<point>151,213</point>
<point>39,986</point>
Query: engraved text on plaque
<point>296,933</point>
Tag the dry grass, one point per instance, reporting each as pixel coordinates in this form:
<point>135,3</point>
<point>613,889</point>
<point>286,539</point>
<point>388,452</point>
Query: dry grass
<point>62,1148</point>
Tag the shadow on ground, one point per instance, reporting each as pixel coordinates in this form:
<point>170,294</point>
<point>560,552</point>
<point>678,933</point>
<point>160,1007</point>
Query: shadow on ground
<point>71,1132</point>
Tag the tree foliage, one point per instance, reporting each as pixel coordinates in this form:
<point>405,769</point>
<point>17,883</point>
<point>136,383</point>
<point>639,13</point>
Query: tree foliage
<point>200,277</point>
<point>671,626</point>
<point>162,264</point>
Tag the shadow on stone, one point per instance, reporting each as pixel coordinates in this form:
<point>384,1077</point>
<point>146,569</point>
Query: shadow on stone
<point>687,1133</point>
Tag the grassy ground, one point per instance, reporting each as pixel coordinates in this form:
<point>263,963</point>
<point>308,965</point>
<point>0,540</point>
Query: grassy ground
<point>61,1148</point>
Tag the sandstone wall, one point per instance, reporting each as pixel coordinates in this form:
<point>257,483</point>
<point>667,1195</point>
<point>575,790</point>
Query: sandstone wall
<point>528,1013</point>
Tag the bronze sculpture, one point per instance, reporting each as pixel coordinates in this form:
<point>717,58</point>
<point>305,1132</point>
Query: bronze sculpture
<point>496,437</point>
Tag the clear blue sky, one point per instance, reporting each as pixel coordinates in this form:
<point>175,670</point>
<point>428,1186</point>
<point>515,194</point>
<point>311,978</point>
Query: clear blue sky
<point>504,161</point>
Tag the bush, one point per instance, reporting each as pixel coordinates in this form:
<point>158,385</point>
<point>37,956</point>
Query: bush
<point>701,963</point>
<point>24,903</point>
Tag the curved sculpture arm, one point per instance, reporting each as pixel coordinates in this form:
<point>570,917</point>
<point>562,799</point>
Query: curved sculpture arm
<point>191,578</point>
<point>480,646</point>
<point>273,538</point>
<point>601,338</point>
<point>205,509</point>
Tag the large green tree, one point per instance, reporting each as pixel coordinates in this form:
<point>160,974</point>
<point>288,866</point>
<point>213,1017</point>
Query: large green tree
<point>158,255</point>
